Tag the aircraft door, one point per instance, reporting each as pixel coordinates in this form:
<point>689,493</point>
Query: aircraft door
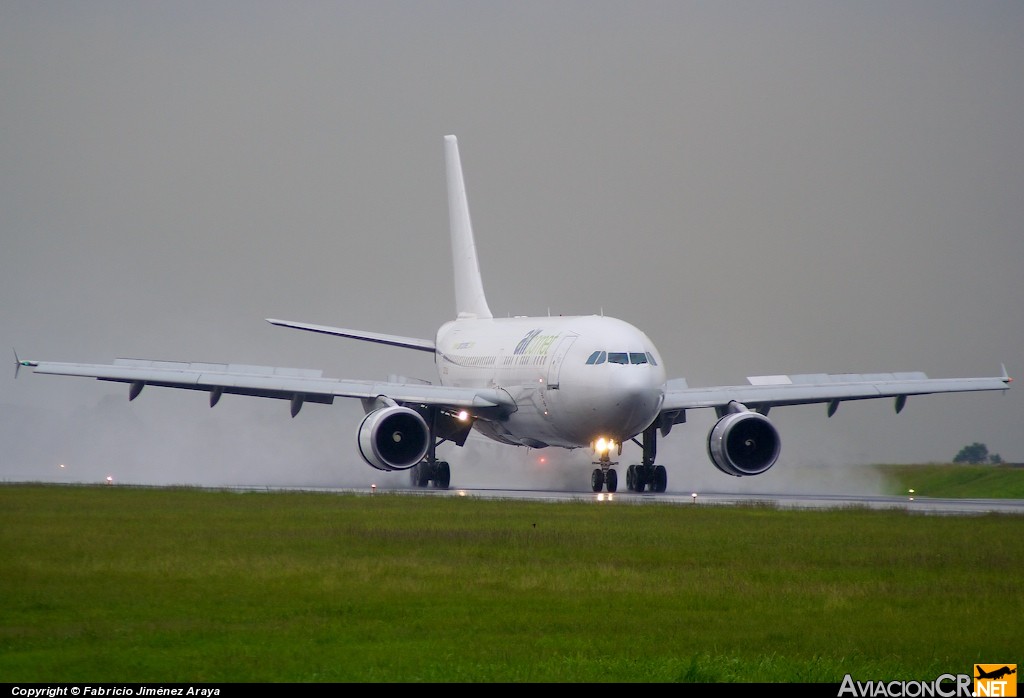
<point>557,357</point>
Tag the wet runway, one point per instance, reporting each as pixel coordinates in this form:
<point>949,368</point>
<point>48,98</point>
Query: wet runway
<point>923,505</point>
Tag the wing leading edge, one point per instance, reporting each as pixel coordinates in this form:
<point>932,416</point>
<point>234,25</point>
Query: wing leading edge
<point>294,384</point>
<point>765,392</point>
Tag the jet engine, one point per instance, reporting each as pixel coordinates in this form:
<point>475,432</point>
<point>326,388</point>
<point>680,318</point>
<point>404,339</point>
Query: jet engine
<point>743,443</point>
<point>393,438</point>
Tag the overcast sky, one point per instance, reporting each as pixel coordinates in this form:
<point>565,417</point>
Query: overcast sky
<point>762,187</point>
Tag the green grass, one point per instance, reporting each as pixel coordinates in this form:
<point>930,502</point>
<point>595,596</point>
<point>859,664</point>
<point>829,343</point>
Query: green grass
<point>183,585</point>
<point>956,481</point>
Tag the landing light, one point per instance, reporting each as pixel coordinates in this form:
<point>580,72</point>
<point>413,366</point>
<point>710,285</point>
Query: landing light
<point>603,445</point>
<point>462,416</point>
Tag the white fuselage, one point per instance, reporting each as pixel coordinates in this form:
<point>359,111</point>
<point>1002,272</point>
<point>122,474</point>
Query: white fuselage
<point>573,379</point>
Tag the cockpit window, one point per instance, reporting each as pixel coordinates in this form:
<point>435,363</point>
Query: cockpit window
<point>621,357</point>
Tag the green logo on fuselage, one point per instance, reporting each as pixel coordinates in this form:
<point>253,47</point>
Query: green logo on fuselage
<point>535,343</point>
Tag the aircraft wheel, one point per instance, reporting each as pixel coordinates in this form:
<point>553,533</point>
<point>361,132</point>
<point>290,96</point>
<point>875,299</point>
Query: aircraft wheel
<point>419,474</point>
<point>443,476</point>
<point>631,478</point>
<point>660,483</point>
<point>597,479</point>
<point>611,480</point>
<point>641,477</point>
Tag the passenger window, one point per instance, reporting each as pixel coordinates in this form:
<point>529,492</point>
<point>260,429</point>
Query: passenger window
<point>637,357</point>
<point>618,357</point>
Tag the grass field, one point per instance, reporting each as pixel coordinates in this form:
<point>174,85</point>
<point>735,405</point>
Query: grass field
<point>957,481</point>
<point>129,584</point>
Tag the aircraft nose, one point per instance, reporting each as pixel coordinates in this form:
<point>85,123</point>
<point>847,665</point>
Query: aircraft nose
<point>631,402</point>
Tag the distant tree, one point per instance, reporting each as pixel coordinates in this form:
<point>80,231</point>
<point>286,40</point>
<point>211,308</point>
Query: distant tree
<point>974,454</point>
<point>995,459</point>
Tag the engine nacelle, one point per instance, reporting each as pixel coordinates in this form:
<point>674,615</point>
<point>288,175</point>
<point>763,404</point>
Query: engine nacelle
<point>393,438</point>
<point>744,443</point>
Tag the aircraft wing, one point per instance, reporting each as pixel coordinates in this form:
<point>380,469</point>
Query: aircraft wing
<point>765,392</point>
<point>296,385</point>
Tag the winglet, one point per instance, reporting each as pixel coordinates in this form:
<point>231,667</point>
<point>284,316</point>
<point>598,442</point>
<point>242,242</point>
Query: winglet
<point>18,363</point>
<point>1006,376</point>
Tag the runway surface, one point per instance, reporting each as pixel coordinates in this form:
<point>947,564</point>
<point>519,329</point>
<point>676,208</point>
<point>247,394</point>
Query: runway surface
<point>910,503</point>
<point>923,505</point>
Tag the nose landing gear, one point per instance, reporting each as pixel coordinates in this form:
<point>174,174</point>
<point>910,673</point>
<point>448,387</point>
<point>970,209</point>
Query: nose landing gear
<point>603,476</point>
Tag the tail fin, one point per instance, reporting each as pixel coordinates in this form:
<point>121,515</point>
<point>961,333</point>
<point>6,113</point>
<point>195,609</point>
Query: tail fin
<point>469,288</point>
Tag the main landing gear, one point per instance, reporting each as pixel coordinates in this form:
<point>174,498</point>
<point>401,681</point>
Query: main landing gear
<point>646,474</point>
<point>639,477</point>
<point>431,470</point>
<point>443,427</point>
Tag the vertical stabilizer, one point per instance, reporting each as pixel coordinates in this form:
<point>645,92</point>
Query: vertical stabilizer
<point>469,288</point>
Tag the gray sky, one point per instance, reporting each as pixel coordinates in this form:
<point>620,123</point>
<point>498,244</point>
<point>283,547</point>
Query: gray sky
<point>762,187</point>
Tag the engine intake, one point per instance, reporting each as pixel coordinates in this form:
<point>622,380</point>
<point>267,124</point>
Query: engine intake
<point>393,438</point>
<point>744,443</point>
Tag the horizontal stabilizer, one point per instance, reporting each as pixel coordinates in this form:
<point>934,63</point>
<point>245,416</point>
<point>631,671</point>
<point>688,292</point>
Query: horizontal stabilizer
<point>389,339</point>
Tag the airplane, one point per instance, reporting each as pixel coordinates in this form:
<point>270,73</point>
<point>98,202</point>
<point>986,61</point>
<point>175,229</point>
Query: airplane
<point>995,674</point>
<point>570,382</point>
